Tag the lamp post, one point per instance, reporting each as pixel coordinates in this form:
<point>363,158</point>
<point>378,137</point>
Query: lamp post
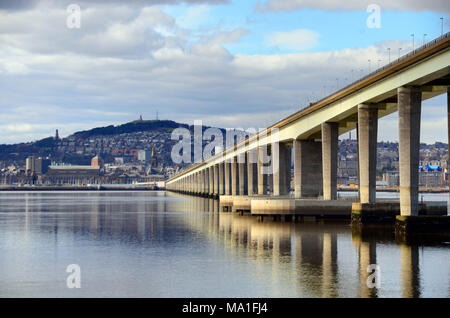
<point>424,36</point>
<point>389,51</point>
<point>399,49</point>
<point>412,35</point>
<point>442,26</point>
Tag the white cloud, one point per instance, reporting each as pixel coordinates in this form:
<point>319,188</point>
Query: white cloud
<point>129,61</point>
<point>406,5</point>
<point>195,16</point>
<point>27,4</point>
<point>299,40</point>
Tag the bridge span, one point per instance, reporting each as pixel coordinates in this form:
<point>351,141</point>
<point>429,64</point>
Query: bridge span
<point>312,135</point>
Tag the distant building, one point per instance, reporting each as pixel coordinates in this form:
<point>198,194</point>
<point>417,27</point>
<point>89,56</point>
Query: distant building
<point>29,167</point>
<point>37,165</point>
<point>391,178</point>
<point>432,178</point>
<point>144,155</point>
<point>96,162</point>
<point>154,160</point>
<point>72,175</point>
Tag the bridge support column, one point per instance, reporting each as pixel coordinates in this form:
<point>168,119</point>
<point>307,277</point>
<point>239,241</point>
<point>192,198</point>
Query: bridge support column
<point>367,151</point>
<point>252,172</point>
<point>194,183</point>
<point>308,180</point>
<point>221,168</point>
<point>211,180</point>
<point>262,174</point>
<point>206,179</point>
<point>234,177</point>
<point>409,111</point>
<point>188,178</point>
<point>227,178</point>
<point>281,160</point>
<point>216,179</point>
<point>242,168</point>
<point>330,135</point>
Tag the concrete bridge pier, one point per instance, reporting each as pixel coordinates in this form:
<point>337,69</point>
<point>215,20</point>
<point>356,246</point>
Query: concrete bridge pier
<point>242,170</point>
<point>281,161</point>
<point>194,183</point>
<point>227,170</point>
<point>211,181</point>
<point>216,180</point>
<point>409,111</point>
<point>330,135</point>
<point>367,151</point>
<point>206,189</point>
<point>262,176</point>
<point>252,172</point>
<point>202,182</point>
<point>234,177</point>
<point>308,180</point>
<point>221,168</point>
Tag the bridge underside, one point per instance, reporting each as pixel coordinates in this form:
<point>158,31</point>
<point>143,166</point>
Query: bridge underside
<point>311,136</point>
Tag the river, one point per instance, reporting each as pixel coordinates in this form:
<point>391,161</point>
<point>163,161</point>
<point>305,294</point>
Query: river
<point>156,244</point>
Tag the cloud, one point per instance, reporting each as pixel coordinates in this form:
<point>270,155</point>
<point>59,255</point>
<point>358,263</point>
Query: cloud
<point>127,61</point>
<point>299,40</point>
<point>182,85</point>
<point>12,5</point>
<point>405,5</point>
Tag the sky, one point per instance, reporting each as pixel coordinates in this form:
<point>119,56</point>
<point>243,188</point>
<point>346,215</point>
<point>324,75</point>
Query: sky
<point>231,64</point>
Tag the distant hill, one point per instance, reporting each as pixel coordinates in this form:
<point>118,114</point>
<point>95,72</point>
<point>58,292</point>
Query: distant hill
<point>51,147</point>
<point>131,127</point>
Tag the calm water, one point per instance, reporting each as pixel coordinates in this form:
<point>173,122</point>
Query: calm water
<point>153,244</point>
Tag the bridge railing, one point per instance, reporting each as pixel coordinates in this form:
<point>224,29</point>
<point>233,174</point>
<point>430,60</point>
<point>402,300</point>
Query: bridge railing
<point>396,61</point>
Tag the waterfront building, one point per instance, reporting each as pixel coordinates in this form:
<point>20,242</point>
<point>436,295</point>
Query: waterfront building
<point>144,155</point>
<point>96,162</point>
<point>72,175</point>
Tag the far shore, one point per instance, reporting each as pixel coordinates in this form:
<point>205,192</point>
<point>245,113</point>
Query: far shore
<point>397,189</point>
<point>82,188</point>
<point>132,187</point>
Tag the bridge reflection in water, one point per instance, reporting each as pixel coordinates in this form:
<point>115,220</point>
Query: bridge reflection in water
<point>159,244</point>
<point>317,255</point>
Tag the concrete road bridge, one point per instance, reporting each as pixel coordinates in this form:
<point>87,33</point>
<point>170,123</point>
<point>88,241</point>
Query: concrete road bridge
<point>312,135</point>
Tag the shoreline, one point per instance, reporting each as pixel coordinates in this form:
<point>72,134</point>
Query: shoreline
<point>79,188</point>
<point>155,188</point>
<point>421,190</point>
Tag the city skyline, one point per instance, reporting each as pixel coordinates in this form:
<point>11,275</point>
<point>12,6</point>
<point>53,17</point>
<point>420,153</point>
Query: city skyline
<point>227,63</point>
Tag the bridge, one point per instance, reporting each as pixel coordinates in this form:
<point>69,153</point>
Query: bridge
<point>312,135</point>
